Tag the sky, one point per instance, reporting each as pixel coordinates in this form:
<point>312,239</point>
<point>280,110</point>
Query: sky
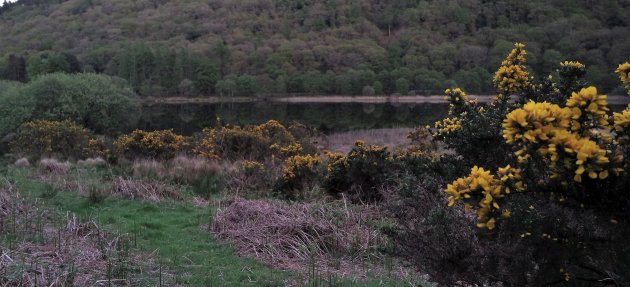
<point>2,1</point>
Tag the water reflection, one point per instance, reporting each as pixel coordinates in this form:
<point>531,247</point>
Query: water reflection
<point>189,118</point>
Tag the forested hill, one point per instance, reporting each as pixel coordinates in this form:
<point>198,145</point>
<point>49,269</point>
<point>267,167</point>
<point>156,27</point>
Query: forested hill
<point>203,47</point>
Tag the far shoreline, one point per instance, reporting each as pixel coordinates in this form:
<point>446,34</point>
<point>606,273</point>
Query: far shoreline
<point>334,99</point>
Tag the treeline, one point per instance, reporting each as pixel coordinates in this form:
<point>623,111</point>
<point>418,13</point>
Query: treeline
<point>165,72</point>
<point>232,47</point>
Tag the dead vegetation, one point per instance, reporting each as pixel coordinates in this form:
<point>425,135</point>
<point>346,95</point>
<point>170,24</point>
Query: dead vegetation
<point>41,248</point>
<point>54,167</point>
<point>343,142</point>
<point>22,163</point>
<point>181,168</point>
<point>143,190</point>
<point>332,238</point>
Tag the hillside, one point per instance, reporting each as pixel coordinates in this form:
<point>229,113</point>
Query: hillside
<point>229,47</point>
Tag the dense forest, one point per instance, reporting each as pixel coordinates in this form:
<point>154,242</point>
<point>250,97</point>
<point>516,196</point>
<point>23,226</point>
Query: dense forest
<point>350,47</point>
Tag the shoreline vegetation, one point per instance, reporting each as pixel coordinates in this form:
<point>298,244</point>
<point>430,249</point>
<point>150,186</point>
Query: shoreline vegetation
<point>333,99</point>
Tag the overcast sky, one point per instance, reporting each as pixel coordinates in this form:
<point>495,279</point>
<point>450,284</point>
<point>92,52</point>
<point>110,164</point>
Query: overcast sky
<point>2,1</point>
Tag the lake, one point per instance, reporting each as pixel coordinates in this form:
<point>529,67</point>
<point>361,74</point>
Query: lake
<point>328,117</point>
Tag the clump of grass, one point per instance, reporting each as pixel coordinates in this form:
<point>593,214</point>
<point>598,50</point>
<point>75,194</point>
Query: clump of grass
<point>149,168</point>
<point>54,167</point>
<point>203,176</point>
<point>247,178</point>
<point>22,163</point>
<point>185,169</point>
<point>284,235</point>
<point>96,195</point>
<point>143,189</point>
<point>50,190</point>
<point>96,161</point>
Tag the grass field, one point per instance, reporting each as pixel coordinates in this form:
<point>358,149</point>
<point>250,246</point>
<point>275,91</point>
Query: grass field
<point>176,234</point>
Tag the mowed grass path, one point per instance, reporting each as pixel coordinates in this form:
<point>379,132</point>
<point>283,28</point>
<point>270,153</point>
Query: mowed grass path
<point>173,230</point>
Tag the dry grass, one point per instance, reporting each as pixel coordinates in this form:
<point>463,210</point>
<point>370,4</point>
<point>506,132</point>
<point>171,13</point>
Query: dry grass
<point>191,168</point>
<point>344,142</point>
<point>97,161</point>
<point>143,190</point>
<point>335,238</point>
<point>241,182</point>
<point>46,250</point>
<point>54,167</point>
<point>181,168</point>
<point>146,168</point>
<point>22,163</point>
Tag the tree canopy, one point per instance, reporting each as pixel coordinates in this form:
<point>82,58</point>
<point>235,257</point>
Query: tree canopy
<point>279,44</point>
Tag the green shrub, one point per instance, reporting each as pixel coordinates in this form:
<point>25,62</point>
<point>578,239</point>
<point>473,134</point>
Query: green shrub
<point>98,102</point>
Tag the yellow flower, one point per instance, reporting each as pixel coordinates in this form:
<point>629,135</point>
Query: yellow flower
<point>622,120</point>
<point>512,75</point>
<point>588,110</point>
<point>447,126</point>
<point>572,64</point>
<point>624,75</point>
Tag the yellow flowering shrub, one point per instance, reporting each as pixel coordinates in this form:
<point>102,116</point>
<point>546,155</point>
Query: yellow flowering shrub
<point>486,189</point>
<point>624,75</point>
<point>550,178</point>
<point>455,96</point>
<point>270,139</point>
<point>512,76</point>
<point>44,138</point>
<point>299,174</point>
<point>204,146</point>
<point>588,110</point>
<point>574,65</point>
<point>360,173</point>
<point>251,167</point>
<point>276,132</point>
<point>565,142</point>
<point>162,144</point>
<point>291,149</point>
<point>97,147</point>
<point>446,126</point>
<point>622,121</point>
<point>565,137</point>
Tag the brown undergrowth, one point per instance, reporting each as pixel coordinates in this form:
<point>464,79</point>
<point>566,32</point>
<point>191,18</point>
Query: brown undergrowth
<point>333,238</point>
<point>41,248</point>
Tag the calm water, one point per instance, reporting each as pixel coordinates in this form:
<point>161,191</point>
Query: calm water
<point>190,118</point>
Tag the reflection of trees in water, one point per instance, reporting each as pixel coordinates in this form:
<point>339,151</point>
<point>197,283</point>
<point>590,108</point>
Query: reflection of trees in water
<point>191,118</point>
<point>402,113</point>
<point>187,113</point>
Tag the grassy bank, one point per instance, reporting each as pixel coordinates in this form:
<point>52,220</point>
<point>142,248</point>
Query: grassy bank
<point>176,233</point>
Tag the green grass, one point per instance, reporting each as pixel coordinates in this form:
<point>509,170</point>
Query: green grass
<point>176,233</point>
<point>172,230</point>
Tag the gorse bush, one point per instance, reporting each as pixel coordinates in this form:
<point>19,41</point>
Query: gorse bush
<point>360,174</point>
<point>548,182</point>
<point>163,144</point>
<point>260,142</point>
<point>300,173</point>
<point>42,138</point>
